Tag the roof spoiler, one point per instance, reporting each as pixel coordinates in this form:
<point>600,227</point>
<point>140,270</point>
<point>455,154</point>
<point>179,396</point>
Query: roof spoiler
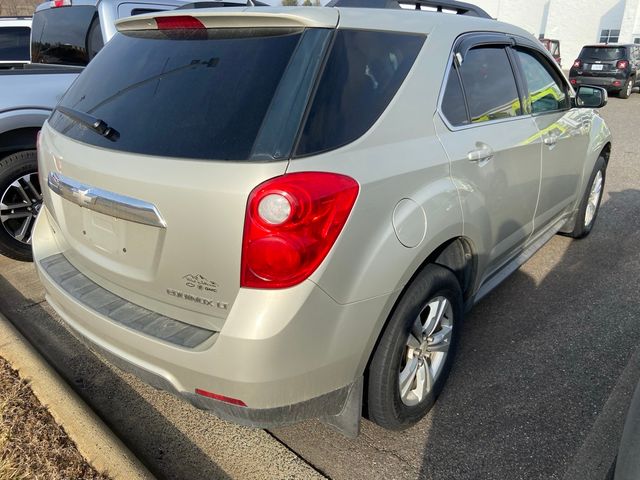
<point>250,17</point>
<point>452,6</point>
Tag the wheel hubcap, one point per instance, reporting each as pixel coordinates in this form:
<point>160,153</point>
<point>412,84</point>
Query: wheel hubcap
<point>425,351</point>
<point>19,206</point>
<point>594,199</point>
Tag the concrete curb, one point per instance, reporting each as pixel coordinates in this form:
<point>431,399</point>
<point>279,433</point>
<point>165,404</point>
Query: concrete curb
<point>95,441</point>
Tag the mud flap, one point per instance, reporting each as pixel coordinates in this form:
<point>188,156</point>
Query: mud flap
<point>347,422</point>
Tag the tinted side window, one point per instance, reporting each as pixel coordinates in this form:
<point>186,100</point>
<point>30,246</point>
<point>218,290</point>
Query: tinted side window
<point>489,85</point>
<point>60,35</point>
<point>453,106</point>
<point>545,89</point>
<point>14,43</point>
<point>363,73</point>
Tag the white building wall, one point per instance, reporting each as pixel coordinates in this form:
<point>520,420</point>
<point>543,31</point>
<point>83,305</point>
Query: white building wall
<point>527,14</point>
<point>573,22</point>
<point>579,22</point>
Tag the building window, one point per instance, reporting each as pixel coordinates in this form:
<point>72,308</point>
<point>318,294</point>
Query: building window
<point>609,36</point>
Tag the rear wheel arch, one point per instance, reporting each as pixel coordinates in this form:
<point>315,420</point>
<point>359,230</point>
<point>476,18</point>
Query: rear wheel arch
<point>606,153</point>
<point>18,140</point>
<point>458,255</point>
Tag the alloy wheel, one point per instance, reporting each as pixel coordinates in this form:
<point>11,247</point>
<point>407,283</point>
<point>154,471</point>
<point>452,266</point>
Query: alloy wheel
<point>426,350</point>
<point>594,199</point>
<point>19,206</point>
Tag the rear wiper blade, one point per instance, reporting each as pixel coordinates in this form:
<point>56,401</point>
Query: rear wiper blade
<point>97,125</point>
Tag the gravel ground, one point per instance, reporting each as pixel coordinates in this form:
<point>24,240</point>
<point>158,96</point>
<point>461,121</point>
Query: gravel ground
<point>32,445</point>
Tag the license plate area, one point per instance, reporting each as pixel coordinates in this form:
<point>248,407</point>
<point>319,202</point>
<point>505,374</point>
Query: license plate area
<point>129,248</point>
<point>597,67</point>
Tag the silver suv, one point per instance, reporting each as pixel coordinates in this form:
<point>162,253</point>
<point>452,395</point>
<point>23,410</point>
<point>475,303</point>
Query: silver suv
<point>283,213</point>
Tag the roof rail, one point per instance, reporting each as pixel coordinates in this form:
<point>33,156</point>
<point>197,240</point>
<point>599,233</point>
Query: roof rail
<point>452,6</point>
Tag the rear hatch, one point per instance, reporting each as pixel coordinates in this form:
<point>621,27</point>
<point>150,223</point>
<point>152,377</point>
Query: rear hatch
<point>151,202</point>
<point>602,61</point>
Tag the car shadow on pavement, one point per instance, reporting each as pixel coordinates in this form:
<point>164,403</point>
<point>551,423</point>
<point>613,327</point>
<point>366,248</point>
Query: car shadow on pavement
<point>159,444</point>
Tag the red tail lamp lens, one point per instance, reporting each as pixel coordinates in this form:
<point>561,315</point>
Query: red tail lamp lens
<point>222,398</point>
<point>179,22</point>
<point>577,64</point>
<point>291,223</point>
<point>622,64</point>
<point>573,81</point>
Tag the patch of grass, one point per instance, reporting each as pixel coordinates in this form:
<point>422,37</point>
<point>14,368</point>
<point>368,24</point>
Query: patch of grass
<point>32,444</point>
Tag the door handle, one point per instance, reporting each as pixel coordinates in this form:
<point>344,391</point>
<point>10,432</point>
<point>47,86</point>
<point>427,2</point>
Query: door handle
<point>550,140</point>
<point>481,155</point>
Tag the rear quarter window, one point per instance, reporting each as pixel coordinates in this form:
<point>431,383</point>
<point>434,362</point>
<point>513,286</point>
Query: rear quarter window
<point>363,72</point>
<point>14,43</point>
<point>453,103</point>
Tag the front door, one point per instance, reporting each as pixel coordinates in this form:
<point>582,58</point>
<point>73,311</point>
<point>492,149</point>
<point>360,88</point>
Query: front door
<point>564,133</point>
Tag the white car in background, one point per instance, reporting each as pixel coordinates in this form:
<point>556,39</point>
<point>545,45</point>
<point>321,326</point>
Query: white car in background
<point>15,35</point>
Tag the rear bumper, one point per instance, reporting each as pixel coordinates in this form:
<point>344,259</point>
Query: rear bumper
<point>613,82</point>
<point>303,367</point>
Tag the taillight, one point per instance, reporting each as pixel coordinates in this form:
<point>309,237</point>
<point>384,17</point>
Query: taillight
<point>179,22</point>
<point>573,81</point>
<point>577,64</point>
<point>291,223</point>
<point>60,3</point>
<point>622,64</point>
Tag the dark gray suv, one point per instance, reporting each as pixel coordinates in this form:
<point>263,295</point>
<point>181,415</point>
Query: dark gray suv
<point>611,66</point>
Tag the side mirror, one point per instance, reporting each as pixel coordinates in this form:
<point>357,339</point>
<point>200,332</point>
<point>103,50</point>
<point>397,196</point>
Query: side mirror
<point>591,97</point>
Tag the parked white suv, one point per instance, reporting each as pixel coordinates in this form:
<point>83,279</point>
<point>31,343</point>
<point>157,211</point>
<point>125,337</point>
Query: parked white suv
<point>273,212</point>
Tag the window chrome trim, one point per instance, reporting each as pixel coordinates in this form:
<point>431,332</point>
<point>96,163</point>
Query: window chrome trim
<point>105,202</point>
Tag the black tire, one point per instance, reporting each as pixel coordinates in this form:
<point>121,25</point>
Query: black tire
<point>580,230</point>
<point>385,405</point>
<point>13,168</point>
<point>625,92</point>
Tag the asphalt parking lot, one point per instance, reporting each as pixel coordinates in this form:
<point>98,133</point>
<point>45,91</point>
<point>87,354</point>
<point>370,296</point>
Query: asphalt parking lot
<point>543,378</point>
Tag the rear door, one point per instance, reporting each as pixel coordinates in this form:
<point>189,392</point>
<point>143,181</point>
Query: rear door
<point>563,131</point>
<point>493,148</point>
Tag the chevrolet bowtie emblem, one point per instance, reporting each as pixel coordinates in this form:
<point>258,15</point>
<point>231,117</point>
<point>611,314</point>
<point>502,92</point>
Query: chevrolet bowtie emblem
<point>84,197</point>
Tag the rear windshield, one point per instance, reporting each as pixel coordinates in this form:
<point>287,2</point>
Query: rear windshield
<point>14,43</point>
<point>64,35</point>
<point>237,94</point>
<point>191,93</point>
<point>603,53</point>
